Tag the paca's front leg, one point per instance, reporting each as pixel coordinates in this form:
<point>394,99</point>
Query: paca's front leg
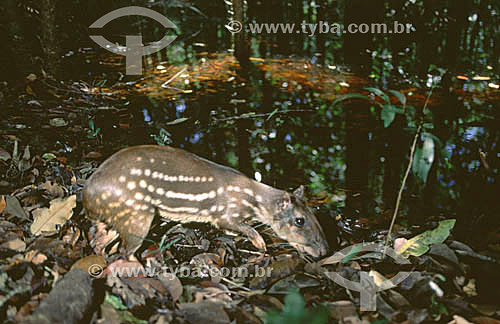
<point>246,230</point>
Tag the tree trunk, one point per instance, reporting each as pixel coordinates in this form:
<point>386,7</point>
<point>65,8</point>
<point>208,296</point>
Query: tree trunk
<point>358,124</point>
<point>241,49</point>
<point>49,43</point>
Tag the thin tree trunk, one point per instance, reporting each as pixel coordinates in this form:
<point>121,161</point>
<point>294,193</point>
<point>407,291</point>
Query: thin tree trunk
<point>241,49</point>
<point>358,124</point>
<point>49,43</point>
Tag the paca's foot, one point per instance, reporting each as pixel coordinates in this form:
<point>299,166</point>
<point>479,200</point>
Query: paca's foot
<point>100,237</point>
<point>247,231</point>
<point>257,240</point>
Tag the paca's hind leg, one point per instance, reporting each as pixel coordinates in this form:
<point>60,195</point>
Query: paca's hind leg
<point>133,228</point>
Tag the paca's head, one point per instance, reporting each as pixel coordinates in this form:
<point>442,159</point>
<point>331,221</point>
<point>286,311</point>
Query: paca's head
<point>296,223</point>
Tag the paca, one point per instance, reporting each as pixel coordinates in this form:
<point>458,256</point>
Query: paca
<point>134,184</point>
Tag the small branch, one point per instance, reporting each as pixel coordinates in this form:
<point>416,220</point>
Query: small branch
<point>250,116</point>
<point>166,83</point>
<point>482,156</point>
<point>400,193</point>
<point>405,178</point>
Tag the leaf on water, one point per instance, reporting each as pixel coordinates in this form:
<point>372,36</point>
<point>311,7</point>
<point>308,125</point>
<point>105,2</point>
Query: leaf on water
<point>46,219</point>
<point>177,121</point>
<point>421,243</point>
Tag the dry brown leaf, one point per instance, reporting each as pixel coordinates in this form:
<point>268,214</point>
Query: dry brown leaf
<point>125,269</point>
<point>14,208</point>
<point>109,314</point>
<point>459,320</point>
<point>46,219</point>
<point>3,204</point>
<point>204,312</point>
<point>16,245</point>
<point>53,188</point>
<point>92,264</point>
<point>342,309</point>
<point>485,320</point>
<point>25,163</point>
<point>274,272</point>
<point>173,284</point>
<point>35,257</point>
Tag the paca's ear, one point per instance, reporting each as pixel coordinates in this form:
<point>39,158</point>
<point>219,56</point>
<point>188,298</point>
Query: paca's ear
<point>283,202</point>
<point>299,192</point>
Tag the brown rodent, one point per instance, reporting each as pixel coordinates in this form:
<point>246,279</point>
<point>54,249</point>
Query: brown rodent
<point>132,185</point>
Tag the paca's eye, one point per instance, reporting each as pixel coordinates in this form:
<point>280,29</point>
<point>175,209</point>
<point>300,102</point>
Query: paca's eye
<point>299,222</point>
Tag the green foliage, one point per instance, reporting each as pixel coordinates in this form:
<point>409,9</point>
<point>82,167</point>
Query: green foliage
<point>420,244</point>
<point>115,302</point>
<point>388,110</point>
<point>164,138</point>
<point>387,115</point>
<point>295,312</point>
<point>438,309</point>
<point>94,132</point>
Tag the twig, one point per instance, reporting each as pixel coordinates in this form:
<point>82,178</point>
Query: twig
<point>236,284</point>
<point>165,84</point>
<point>250,116</point>
<point>400,193</point>
<point>403,184</point>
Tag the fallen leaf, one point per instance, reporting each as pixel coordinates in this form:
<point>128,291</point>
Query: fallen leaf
<point>93,155</point>
<point>14,208</point>
<point>173,284</point>
<point>92,264</point>
<point>58,122</point>
<point>342,309</point>
<point>421,243</point>
<point>25,163</point>
<point>46,219</point>
<point>54,189</point>
<point>31,77</point>
<point>3,204</point>
<point>16,245</point>
<point>39,258</point>
<point>459,320</point>
<point>485,320</point>
<point>204,312</point>
<point>4,155</point>
<point>124,268</point>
